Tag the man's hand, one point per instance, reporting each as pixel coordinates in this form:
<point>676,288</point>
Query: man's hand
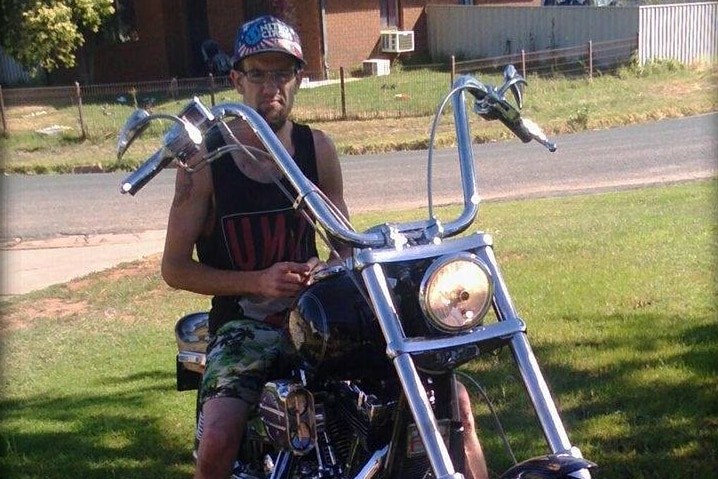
<point>286,279</point>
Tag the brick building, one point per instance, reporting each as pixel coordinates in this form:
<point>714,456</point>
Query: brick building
<point>161,39</point>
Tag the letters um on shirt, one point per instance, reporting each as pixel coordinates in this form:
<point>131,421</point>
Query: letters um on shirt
<point>258,240</point>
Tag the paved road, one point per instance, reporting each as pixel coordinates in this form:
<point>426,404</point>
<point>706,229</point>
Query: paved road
<point>48,218</point>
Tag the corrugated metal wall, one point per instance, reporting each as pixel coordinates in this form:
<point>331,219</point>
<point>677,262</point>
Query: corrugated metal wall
<point>484,31</point>
<point>685,32</point>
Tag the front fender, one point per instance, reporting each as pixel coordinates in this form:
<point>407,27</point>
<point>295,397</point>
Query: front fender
<point>551,466</point>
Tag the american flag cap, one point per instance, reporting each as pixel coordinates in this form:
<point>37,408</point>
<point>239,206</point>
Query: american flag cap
<point>267,34</point>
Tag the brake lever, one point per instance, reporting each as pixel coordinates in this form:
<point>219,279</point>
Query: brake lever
<point>513,82</point>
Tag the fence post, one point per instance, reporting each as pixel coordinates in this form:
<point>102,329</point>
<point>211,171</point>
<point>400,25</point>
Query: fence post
<point>523,63</point>
<point>590,60</point>
<point>133,92</point>
<point>453,70</point>
<point>83,128</point>
<point>343,93</point>
<point>3,114</point>
<point>174,88</point>
<point>211,88</point>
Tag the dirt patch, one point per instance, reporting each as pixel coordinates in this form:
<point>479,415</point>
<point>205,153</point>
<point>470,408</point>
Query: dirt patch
<point>22,315</point>
<point>19,318</point>
<point>144,267</point>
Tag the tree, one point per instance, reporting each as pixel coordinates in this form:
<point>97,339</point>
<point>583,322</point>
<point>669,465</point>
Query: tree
<point>48,33</point>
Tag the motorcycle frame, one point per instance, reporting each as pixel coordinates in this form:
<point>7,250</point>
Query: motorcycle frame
<point>399,346</point>
<point>388,244</point>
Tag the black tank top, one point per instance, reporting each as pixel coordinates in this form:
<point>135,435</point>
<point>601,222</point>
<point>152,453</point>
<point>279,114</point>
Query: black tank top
<point>255,226</point>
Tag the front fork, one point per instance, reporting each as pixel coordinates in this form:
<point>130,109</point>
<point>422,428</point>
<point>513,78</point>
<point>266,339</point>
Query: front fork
<point>397,350</point>
<point>534,382</point>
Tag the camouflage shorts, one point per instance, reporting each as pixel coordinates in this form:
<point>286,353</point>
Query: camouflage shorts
<point>239,359</point>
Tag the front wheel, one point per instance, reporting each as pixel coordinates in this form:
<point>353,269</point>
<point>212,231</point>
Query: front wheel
<point>452,409</point>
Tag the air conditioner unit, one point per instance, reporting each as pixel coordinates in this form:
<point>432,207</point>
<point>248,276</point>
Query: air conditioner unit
<point>376,67</point>
<point>395,41</point>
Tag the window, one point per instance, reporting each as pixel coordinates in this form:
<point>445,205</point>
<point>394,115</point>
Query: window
<point>389,11</point>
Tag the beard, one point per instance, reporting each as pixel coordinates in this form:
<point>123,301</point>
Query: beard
<point>276,114</point>
<point>275,119</point>
<point>277,124</point>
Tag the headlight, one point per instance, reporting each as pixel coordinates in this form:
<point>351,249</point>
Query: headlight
<point>456,292</point>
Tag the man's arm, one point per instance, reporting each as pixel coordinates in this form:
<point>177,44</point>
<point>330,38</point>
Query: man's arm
<point>330,177</point>
<point>190,215</point>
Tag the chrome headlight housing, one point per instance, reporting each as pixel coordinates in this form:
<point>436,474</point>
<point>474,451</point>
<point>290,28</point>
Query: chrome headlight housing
<point>456,292</point>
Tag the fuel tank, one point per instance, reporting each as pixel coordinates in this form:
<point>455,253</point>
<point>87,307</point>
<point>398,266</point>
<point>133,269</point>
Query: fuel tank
<point>335,332</point>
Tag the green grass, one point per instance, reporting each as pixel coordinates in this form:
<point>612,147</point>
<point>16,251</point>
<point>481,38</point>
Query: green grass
<point>618,291</point>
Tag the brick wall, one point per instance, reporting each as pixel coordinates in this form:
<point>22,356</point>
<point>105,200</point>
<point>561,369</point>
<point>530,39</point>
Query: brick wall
<point>353,30</point>
<point>224,18</point>
<point>414,18</point>
<point>308,25</point>
<point>163,50</point>
<point>179,54</point>
<point>145,59</point>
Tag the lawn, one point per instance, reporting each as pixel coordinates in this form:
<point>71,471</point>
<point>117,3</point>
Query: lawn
<point>618,291</point>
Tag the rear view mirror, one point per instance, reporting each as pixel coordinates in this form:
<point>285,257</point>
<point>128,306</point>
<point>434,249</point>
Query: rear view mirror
<point>133,127</point>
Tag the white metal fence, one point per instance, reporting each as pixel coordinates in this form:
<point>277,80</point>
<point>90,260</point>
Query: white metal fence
<point>685,32</point>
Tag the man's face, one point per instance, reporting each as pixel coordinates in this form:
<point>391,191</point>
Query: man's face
<point>268,83</point>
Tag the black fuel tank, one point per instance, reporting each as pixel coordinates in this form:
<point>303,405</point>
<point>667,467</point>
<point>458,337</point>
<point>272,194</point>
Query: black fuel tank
<point>335,332</point>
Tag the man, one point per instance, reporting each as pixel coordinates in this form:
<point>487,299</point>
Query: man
<point>255,252</point>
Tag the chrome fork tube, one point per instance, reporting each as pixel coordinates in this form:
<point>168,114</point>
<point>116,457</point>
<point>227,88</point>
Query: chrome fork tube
<point>534,382</point>
<point>408,375</point>
<point>539,394</point>
<point>282,464</point>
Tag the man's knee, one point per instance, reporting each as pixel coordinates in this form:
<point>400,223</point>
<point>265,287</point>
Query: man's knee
<point>466,415</point>
<point>217,450</point>
<point>223,424</point>
<point>215,439</point>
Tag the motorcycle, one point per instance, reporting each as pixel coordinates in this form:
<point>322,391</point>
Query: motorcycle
<point>217,62</point>
<point>378,340</point>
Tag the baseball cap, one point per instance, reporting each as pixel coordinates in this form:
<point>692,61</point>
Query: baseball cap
<point>267,34</point>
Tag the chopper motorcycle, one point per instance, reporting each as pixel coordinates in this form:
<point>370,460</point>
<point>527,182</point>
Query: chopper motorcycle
<point>371,390</point>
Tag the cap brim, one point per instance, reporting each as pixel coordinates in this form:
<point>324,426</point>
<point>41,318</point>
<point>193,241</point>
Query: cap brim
<point>236,58</point>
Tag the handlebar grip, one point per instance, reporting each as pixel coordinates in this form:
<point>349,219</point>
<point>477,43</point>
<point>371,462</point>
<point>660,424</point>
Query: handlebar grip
<point>148,170</point>
<point>507,114</point>
<point>517,128</point>
<point>492,107</point>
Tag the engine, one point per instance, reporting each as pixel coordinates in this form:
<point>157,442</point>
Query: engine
<point>341,425</point>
